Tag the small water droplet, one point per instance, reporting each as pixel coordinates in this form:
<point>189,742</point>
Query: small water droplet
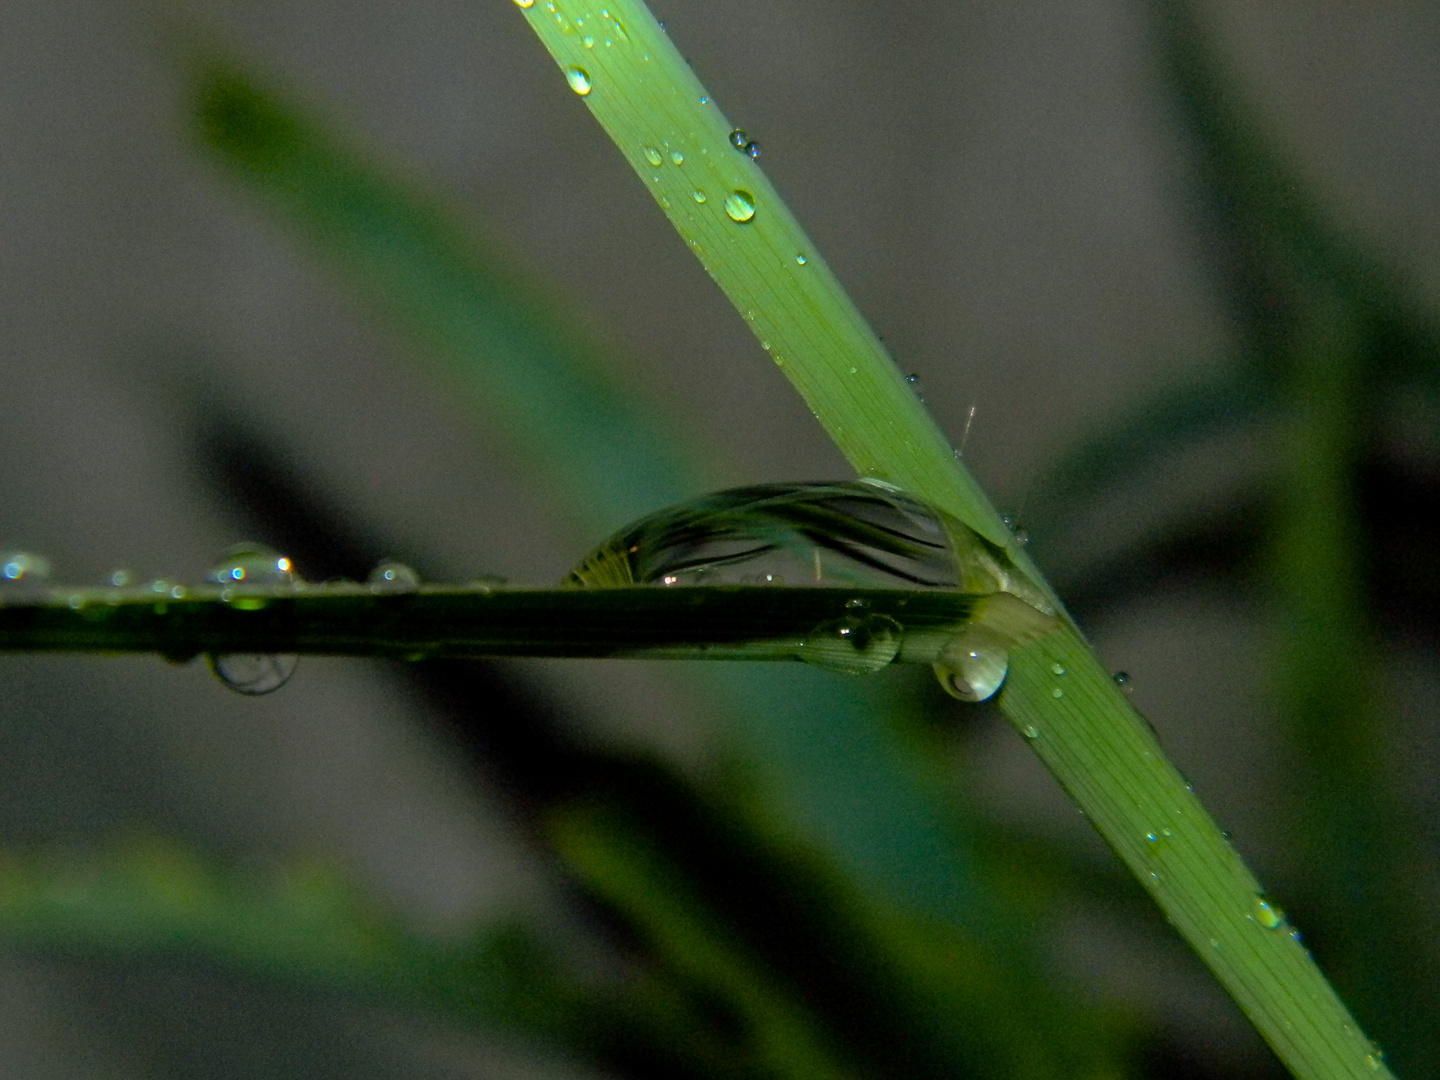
<point>1057,669</point>
<point>1030,731</point>
<point>738,138</point>
<point>1151,837</point>
<point>588,41</point>
<point>677,158</point>
<point>1267,914</point>
<point>972,665</point>
<point>579,80</point>
<point>858,603</point>
<point>1121,679</point>
<point>524,3</point>
<point>800,260</point>
<point>653,156</point>
<point>1057,693</point>
<point>1022,537</point>
<point>390,576</point>
<point>751,149</point>
<point>1375,1060</point>
<point>740,206</point>
<point>253,673</point>
<point>914,381</point>
<point>854,645</point>
<point>698,195</point>
<point>120,578</point>
<point>23,576</point>
<point>704,100</point>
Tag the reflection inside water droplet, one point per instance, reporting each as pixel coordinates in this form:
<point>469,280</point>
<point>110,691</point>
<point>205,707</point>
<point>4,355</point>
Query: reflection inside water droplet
<point>253,673</point>
<point>390,576</point>
<point>740,206</point>
<point>579,80</point>
<point>854,645</point>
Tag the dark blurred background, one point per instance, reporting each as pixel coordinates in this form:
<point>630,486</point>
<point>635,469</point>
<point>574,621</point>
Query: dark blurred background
<point>1020,198</point>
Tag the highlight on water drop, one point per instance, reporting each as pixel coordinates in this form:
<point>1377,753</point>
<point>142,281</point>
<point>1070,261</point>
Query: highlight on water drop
<point>740,206</point>
<point>24,576</point>
<point>579,80</point>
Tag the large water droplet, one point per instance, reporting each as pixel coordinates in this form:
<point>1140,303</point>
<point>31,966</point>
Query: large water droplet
<point>653,156</point>
<point>677,158</point>
<point>579,80</point>
<point>253,673</point>
<point>393,577</point>
<point>249,574</point>
<point>972,665</point>
<point>855,645</point>
<point>24,577</point>
<point>847,534</point>
<point>740,206</point>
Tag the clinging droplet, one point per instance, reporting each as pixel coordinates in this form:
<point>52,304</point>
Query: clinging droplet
<point>738,138</point>
<point>1267,914</point>
<point>524,3</point>
<point>800,260</point>
<point>390,576</point>
<point>854,645</point>
<point>740,206</point>
<point>677,158</point>
<point>698,195</point>
<point>1121,679</point>
<point>253,673</point>
<point>579,80</point>
<point>653,156</point>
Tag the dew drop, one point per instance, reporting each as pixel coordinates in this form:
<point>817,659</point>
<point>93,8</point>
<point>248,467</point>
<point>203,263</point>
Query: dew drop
<point>1122,680</point>
<point>914,381</point>
<point>738,138</point>
<point>249,574</point>
<point>740,206</point>
<point>677,158</point>
<point>1030,731</point>
<point>588,41</point>
<point>120,578</point>
<point>698,195</point>
<point>524,3</point>
<point>800,260</point>
<point>253,673</point>
<point>972,665</point>
<point>751,149</point>
<point>1267,914</point>
<point>23,576</point>
<point>1057,669</point>
<point>579,80</point>
<point>856,646</point>
<point>653,156</point>
<point>390,576</point>
<point>1057,693</point>
<point>858,603</point>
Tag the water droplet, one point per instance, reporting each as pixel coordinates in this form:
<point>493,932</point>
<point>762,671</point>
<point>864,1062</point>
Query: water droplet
<point>800,260</point>
<point>1057,669</point>
<point>751,149</point>
<point>1267,914</point>
<point>1057,693</point>
<point>1121,679</point>
<point>253,673</point>
<point>249,574</point>
<point>914,381</point>
<point>390,576</point>
<point>677,158</point>
<point>1030,731</point>
<point>120,578</point>
<point>23,576</point>
<point>857,646</point>
<point>588,41</point>
<point>1375,1060</point>
<point>653,156</point>
<point>698,195</point>
<point>871,536</point>
<point>1022,537</point>
<point>524,3</point>
<point>1151,837</point>
<point>858,603</point>
<point>579,80</point>
<point>740,205</point>
<point>738,138</point>
<point>704,100</point>
<point>973,664</point>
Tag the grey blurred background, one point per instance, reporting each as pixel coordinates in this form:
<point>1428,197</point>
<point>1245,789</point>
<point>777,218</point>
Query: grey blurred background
<point>999,186</point>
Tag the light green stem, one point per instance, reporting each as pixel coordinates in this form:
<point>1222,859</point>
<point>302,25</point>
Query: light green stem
<point>639,88</point>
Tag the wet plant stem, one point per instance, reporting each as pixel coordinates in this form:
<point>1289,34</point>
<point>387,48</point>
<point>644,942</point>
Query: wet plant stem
<point>619,60</point>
